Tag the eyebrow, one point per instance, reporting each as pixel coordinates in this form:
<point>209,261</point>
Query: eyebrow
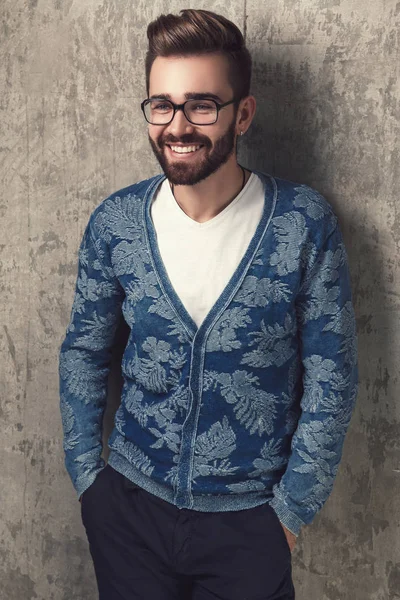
<point>189,96</point>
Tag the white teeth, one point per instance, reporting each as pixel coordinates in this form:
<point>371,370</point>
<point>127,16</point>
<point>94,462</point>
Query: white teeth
<point>184,149</point>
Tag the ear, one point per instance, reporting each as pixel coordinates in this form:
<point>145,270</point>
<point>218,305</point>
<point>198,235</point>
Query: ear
<point>245,114</point>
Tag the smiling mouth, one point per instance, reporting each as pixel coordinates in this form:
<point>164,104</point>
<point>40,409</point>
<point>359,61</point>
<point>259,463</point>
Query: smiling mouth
<point>184,149</point>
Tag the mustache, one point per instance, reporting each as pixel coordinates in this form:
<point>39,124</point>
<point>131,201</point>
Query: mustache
<point>186,138</point>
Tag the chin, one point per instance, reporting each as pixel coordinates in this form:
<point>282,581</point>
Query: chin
<point>178,175</point>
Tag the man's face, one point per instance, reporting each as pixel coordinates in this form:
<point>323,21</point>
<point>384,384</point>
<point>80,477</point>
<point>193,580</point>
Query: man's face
<point>178,78</point>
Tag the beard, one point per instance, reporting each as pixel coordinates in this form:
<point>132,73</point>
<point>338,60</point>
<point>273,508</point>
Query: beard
<point>180,173</point>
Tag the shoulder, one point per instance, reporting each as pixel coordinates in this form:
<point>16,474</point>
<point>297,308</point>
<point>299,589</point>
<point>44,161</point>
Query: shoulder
<point>122,208</point>
<point>300,197</point>
<point>303,206</point>
<point>138,189</point>
<point>133,193</point>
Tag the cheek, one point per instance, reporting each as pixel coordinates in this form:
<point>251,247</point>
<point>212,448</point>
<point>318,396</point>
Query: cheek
<point>155,133</point>
<point>222,127</point>
<point>211,134</point>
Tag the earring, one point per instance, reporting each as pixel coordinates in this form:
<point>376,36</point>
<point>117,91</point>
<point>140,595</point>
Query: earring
<point>241,133</point>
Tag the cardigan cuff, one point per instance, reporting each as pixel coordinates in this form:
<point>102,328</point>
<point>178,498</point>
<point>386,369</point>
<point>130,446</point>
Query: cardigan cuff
<point>286,517</point>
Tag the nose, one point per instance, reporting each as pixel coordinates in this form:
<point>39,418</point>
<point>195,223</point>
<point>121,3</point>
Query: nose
<point>179,124</point>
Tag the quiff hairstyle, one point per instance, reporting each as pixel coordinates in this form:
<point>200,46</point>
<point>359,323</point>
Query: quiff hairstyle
<point>196,32</point>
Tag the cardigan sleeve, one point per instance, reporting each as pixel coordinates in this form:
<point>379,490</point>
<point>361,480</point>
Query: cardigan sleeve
<point>328,346</point>
<point>85,357</point>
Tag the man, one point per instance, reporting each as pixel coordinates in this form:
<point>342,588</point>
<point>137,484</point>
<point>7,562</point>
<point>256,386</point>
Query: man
<point>240,368</point>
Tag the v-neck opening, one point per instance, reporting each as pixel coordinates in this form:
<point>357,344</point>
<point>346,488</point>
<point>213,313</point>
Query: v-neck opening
<point>234,282</point>
<point>214,221</point>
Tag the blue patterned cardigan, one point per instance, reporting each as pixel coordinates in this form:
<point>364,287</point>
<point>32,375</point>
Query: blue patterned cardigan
<point>250,407</point>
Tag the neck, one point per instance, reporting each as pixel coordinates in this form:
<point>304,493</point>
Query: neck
<point>206,199</point>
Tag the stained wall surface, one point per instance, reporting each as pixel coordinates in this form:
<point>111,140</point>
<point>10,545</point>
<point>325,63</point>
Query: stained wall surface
<point>326,76</point>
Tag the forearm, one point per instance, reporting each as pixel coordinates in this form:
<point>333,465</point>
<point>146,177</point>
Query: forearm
<point>327,335</point>
<point>85,356</point>
<point>316,452</point>
<point>82,403</point>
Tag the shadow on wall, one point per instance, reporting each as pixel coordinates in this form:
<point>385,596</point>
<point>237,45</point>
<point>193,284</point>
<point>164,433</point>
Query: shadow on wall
<point>308,132</point>
<point>281,140</point>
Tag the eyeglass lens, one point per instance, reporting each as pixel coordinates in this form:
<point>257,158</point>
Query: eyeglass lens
<point>199,112</point>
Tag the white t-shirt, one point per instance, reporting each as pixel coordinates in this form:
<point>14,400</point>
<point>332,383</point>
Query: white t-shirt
<point>200,258</point>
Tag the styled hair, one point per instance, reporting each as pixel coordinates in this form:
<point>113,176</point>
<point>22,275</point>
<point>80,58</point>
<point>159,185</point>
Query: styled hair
<point>196,32</point>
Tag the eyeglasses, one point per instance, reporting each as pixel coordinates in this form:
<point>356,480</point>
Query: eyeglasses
<point>158,111</point>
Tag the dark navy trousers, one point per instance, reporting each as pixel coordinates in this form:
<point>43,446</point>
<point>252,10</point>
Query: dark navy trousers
<point>144,548</point>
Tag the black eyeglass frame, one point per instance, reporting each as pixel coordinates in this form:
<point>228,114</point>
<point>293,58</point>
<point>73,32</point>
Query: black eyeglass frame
<point>181,107</point>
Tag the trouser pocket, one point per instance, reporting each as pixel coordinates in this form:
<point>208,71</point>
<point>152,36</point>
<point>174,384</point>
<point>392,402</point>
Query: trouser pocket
<point>280,532</point>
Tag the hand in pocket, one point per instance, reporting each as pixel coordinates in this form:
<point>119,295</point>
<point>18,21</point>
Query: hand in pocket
<point>291,538</point>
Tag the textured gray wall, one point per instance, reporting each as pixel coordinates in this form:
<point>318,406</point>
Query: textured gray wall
<point>71,78</point>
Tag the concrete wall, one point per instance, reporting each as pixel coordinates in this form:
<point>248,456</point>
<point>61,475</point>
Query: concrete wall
<point>71,77</point>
